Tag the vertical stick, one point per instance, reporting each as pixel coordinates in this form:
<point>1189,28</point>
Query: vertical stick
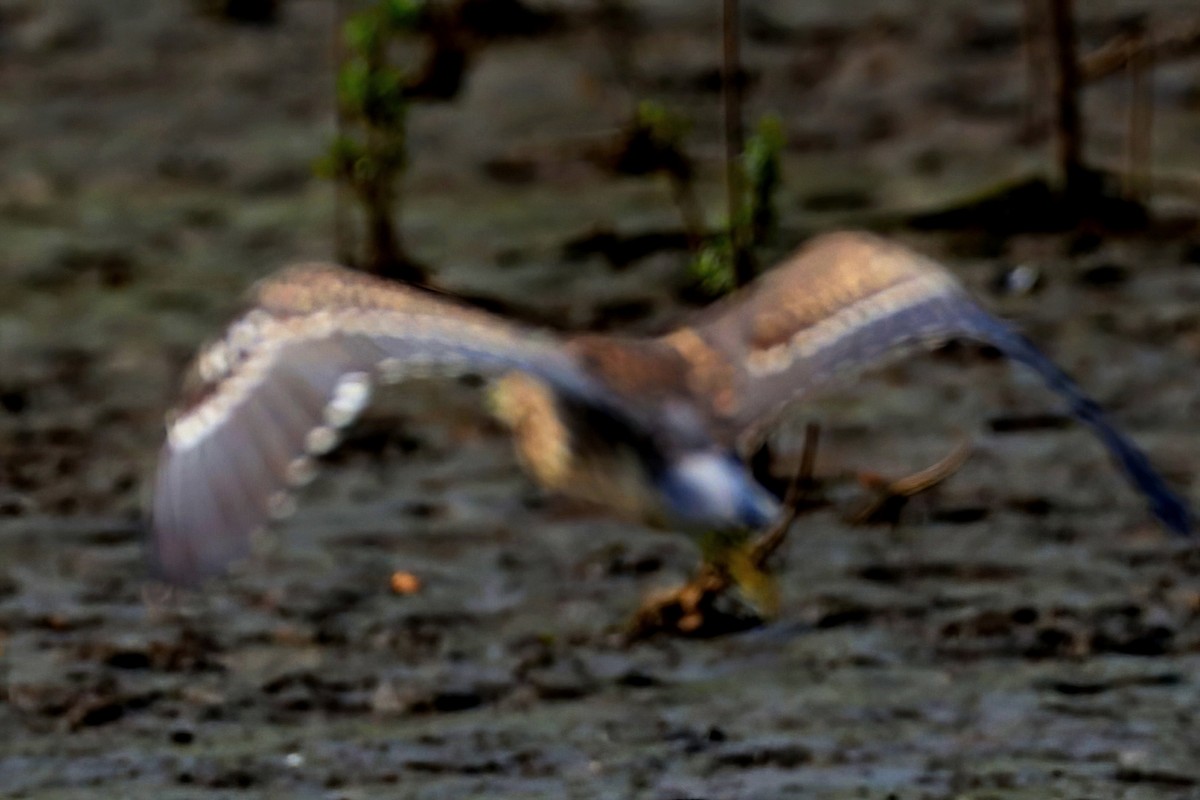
<point>1033,36</point>
<point>343,246</point>
<point>1069,128</point>
<point>1141,115</point>
<point>731,90</point>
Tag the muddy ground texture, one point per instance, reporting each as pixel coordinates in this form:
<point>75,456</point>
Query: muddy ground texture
<point>1023,631</point>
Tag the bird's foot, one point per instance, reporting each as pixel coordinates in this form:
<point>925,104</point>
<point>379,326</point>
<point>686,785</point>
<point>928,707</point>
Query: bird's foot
<point>731,559</point>
<point>702,606</point>
<point>891,496</point>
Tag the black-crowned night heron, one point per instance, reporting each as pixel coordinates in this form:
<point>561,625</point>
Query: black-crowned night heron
<point>648,427</point>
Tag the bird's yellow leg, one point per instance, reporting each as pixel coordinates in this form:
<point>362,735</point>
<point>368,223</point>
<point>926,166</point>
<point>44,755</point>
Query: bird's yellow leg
<point>731,558</point>
<point>734,558</point>
<point>735,555</point>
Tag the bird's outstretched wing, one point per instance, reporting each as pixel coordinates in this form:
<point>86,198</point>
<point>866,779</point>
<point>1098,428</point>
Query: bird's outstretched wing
<point>848,301</point>
<point>287,376</point>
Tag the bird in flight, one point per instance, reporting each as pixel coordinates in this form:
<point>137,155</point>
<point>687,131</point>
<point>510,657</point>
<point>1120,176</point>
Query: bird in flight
<point>648,427</point>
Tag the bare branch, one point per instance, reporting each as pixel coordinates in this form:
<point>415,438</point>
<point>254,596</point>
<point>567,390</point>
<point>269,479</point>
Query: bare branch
<point>1182,41</point>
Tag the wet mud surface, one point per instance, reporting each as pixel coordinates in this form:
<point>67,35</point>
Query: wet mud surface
<point>1023,631</point>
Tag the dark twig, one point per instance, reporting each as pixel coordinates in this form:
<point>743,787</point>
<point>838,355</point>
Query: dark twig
<point>731,91</point>
<point>343,247</point>
<point>802,482</point>
<point>1068,123</point>
<point>1139,139</point>
<point>1182,41</point>
<point>1036,68</point>
<point>894,495</point>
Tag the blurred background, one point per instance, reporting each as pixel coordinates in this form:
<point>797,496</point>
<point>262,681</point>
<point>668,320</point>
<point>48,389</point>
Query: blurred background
<point>1024,630</point>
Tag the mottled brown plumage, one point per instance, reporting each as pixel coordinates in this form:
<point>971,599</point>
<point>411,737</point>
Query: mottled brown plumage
<point>646,427</point>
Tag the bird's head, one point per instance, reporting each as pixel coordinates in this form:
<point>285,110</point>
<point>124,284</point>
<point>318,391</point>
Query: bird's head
<point>700,484</point>
<point>656,462</point>
<point>712,489</point>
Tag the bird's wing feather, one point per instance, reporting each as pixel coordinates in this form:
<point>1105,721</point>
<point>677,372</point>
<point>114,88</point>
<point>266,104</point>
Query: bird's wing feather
<point>849,301</point>
<point>287,376</point>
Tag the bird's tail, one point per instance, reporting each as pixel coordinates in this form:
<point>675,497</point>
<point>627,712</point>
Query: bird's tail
<point>1171,509</point>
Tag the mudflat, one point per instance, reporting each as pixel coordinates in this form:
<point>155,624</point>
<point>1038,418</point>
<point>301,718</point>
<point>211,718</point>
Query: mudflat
<point>1023,631</point>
